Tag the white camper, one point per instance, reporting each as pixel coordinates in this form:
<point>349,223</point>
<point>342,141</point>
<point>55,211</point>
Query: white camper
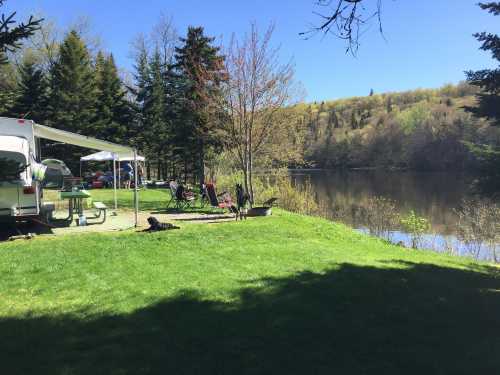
<point>21,170</point>
<point>20,194</point>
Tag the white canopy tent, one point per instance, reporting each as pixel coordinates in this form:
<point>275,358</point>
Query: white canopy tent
<point>57,135</point>
<point>106,155</point>
<point>114,157</point>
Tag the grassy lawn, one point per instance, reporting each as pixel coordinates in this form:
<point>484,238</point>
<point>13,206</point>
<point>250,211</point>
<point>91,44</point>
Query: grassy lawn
<point>281,295</point>
<point>149,199</point>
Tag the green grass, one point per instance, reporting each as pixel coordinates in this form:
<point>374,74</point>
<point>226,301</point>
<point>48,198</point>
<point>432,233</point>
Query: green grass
<point>149,200</point>
<point>281,295</point>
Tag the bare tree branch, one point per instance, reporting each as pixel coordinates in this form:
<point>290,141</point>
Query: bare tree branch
<point>347,20</point>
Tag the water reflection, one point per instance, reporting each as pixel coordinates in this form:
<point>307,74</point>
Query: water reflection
<point>431,195</point>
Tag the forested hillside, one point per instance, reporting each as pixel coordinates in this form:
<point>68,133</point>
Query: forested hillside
<point>423,129</point>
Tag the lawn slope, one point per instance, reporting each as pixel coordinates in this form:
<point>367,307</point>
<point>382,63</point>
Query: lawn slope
<point>286,294</point>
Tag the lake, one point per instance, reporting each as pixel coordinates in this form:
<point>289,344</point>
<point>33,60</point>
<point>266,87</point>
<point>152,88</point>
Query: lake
<point>431,195</point>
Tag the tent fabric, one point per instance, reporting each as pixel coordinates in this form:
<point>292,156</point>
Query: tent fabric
<point>58,135</point>
<point>106,155</point>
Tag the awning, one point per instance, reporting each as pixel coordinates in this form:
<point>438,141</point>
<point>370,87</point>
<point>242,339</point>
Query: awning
<point>106,155</point>
<point>62,136</point>
<point>57,135</point>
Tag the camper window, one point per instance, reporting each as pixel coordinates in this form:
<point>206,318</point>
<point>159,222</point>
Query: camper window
<point>12,164</point>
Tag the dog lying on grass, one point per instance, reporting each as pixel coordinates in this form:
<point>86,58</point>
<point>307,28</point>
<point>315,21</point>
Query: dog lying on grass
<point>156,226</point>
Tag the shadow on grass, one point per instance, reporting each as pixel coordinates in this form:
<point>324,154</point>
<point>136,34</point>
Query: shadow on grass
<point>421,319</point>
<point>195,209</point>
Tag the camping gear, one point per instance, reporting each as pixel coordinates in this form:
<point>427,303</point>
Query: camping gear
<point>55,174</point>
<point>264,210</point>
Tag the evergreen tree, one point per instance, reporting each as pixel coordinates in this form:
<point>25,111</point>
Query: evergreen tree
<point>141,92</point>
<point>113,112</point>
<point>155,124</point>
<point>488,106</point>
<point>73,90</point>
<point>11,34</point>
<point>31,101</point>
<point>488,79</point>
<point>7,89</point>
<point>72,101</point>
<point>200,62</point>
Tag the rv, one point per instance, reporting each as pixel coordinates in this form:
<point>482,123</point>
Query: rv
<point>20,193</point>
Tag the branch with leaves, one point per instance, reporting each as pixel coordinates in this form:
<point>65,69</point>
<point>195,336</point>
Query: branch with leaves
<point>11,34</point>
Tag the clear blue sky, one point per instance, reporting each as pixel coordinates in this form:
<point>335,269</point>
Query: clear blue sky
<point>428,42</point>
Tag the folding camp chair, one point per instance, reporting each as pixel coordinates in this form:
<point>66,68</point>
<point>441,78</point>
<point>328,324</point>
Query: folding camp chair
<point>222,200</point>
<point>180,196</point>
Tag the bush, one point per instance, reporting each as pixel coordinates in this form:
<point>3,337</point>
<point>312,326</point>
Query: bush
<point>380,216</point>
<point>416,227</point>
<point>478,226</point>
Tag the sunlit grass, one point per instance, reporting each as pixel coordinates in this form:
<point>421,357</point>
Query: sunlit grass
<point>283,294</point>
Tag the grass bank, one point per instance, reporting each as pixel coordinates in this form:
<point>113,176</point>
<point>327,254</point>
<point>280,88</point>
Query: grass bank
<point>287,294</point>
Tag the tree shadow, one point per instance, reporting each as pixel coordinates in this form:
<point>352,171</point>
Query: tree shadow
<point>417,319</point>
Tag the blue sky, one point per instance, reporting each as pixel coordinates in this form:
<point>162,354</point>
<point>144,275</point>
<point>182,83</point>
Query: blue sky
<point>427,43</point>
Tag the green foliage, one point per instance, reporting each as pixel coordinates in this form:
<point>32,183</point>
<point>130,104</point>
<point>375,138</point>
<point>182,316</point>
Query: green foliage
<point>488,79</point>
<point>414,117</point>
<point>12,35</point>
<point>416,227</point>
<point>113,111</point>
<point>32,90</point>
<point>420,129</point>
<point>200,62</point>
<point>272,295</point>
<point>73,87</point>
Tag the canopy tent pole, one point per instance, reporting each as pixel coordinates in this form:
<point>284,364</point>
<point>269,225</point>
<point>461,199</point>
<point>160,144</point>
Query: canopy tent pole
<point>136,196</point>
<point>80,168</point>
<point>119,175</point>
<point>114,182</point>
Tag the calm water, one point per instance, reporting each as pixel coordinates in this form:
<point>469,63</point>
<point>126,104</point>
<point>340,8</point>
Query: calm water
<point>431,195</point>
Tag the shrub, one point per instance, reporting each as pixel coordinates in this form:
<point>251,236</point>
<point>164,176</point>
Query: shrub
<point>416,227</point>
<point>478,226</point>
<point>380,216</point>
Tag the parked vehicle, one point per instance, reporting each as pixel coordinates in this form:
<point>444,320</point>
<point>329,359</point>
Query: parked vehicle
<point>20,192</point>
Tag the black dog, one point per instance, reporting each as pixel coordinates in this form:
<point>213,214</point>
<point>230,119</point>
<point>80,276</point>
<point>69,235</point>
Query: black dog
<point>155,225</point>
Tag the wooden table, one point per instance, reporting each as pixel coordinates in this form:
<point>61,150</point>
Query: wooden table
<point>75,198</point>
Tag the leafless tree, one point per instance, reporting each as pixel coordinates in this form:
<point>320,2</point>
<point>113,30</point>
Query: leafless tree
<point>165,37</point>
<point>258,86</point>
<point>347,19</point>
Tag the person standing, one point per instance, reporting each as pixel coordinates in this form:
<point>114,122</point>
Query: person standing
<point>128,174</point>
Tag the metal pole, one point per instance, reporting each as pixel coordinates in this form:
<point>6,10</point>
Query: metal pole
<point>136,195</point>
<point>114,181</point>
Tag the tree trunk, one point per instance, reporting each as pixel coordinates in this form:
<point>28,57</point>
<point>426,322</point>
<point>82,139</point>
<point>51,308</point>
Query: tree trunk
<point>201,172</point>
<point>250,182</point>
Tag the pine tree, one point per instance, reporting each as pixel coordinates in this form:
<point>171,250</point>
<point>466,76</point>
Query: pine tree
<point>31,101</point>
<point>488,106</point>
<point>155,124</point>
<point>72,101</point>
<point>7,89</point>
<point>488,79</point>
<point>140,91</point>
<point>73,91</point>
<point>113,112</point>
<point>200,63</point>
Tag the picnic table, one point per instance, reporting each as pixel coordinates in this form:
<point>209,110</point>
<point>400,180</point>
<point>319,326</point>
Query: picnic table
<point>75,198</point>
